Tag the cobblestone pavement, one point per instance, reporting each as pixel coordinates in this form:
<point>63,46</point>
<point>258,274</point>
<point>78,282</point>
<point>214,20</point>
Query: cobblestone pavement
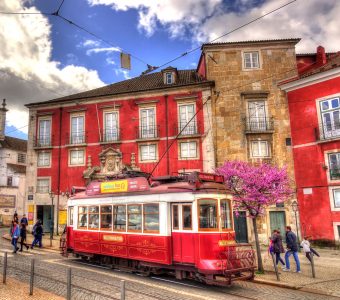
<point>95,282</point>
<point>327,269</point>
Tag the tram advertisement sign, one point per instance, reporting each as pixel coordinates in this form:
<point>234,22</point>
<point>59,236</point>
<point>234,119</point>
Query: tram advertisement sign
<point>118,186</point>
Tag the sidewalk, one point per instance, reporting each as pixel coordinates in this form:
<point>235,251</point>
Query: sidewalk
<point>327,270</point>
<point>14,290</point>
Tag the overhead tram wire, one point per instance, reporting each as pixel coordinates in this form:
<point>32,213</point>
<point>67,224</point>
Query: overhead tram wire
<point>223,35</point>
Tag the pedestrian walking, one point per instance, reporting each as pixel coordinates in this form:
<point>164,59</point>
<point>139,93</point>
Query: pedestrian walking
<point>307,249</point>
<point>278,246</point>
<point>15,235</point>
<point>292,249</point>
<point>24,220</point>
<point>38,233</point>
<point>23,236</point>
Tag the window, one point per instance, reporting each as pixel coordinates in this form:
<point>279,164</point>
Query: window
<point>330,117</point>
<point>225,214</point>
<point>44,134</point>
<point>251,60</point>
<point>77,130</point>
<point>135,217</point>
<point>175,223</point>
<point>93,217</point>
<point>9,181</point>
<point>21,158</point>
<point>188,150</point>
<point>151,217</point>
<point>119,217</point>
<point>43,185</point>
<point>76,157</point>
<point>82,217</point>
<point>186,113</point>
<point>169,78</point>
<point>336,197</point>
<point>44,159</point>
<point>106,217</point>
<point>259,149</point>
<point>147,123</point>
<point>207,214</point>
<point>148,152</point>
<point>257,119</point>
<point>70,215</point>
<point>186,214</point>
<point>334,165</point>
<point>111,126</point>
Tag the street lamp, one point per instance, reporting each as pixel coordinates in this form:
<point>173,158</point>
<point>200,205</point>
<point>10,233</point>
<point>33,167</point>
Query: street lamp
<point>295,208</point>
<point>52,217</point>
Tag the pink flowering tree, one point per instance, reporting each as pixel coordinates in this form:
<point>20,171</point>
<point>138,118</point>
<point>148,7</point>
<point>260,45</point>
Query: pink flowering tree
<point>254,188</point>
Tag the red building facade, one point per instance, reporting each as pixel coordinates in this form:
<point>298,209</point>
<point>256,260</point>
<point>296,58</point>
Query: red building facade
<point>137,120</point>
<point>314,107</point>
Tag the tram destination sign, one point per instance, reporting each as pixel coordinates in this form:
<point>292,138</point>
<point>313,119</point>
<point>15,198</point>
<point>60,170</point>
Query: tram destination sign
<point>118,186</point>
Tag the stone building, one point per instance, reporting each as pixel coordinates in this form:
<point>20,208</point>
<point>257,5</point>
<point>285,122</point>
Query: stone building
<point>12,172</point>
<point>250,112</point>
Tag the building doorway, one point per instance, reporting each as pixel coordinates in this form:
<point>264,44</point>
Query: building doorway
<point>240,226</point>
<point>44,214</point>
<point>278,221</point>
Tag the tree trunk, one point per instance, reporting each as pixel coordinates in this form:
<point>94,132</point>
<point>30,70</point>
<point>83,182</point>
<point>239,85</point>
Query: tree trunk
<point>258,249</point>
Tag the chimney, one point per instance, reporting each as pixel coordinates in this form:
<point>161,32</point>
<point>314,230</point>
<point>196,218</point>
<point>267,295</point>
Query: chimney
<point>3,111</point>
<point>321,58</point>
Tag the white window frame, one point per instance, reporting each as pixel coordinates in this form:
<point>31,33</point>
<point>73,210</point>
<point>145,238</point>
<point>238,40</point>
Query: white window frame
<point>153,133</point>
<point>258,142</point>
<point>258,126</point>
<point>336,231</point>
<point>252,67</point>
<point>186,131</point>
<point>77,115</point>
<point>188,142</point>
<point>49,185</point>
<point>44,152</point>
<point>148,160</point>
<point>331,197</point>
<point>106,112</point>
<point>70,157</point>
<point>49,138</point>
<point>169,75</point>
<point>334,131</point>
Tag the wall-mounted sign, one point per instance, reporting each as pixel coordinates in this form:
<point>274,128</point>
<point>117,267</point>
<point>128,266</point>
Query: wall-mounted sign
<point>62,217</point>
<point>7,201</point>
<point>30,197</point>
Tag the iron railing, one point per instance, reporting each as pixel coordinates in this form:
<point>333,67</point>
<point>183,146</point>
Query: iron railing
<point>110,135</point>
<point>77,138</point>
<point>190,129</point>
<point>334,173</point>
<point>147,132</point>
<point>259,124</point>
<point>327,130</point>
<point>42,141</point>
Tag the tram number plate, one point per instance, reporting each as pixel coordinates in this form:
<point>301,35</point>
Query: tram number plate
<point>113,238</point>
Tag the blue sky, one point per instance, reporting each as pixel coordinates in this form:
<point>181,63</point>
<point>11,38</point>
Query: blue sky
<point>45,57</point>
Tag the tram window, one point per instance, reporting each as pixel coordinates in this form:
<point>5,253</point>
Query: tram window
<point>186,213</point>
<point>207,214</point>
<point>175,224</point>
<point>119,217</point>
<point>151,217</point>
<point>93,217</point>
<point>106,217</point>
<point>225,214</point>
<point>135,217</point>
<point>70,214</point>
<point>82,217</point>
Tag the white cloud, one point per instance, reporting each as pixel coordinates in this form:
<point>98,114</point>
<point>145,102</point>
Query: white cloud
<point>104,49</point>
<point>27,71</point>
<point>91,43</point>
<point>125,73</point>
<point>315,21</point>
<point>110,61</point>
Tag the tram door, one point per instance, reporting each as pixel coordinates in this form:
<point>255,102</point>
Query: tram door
<point>183,243</point>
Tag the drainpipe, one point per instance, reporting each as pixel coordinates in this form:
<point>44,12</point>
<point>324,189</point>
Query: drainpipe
<point>167,135</point>
<point>59,161</point>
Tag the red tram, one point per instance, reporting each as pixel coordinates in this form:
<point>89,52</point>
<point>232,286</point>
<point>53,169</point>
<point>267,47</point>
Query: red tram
<point>179,224</point>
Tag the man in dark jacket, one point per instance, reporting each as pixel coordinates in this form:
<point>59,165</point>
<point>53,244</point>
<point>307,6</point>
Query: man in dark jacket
<point>292,248</point>
<point>38,233</point>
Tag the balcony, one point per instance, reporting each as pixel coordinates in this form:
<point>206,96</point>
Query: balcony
<point>147,132</point>
<point>190,130</point>
<point>110,135</point>
<point>327,131</point>
<point>76,138</point>
<point>42,141</point>
<point>334,173</point>
<point>259,125</point>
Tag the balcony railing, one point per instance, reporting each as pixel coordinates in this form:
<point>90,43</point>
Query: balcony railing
<point>259,124</point>
<point>42,141</point>
<point>190,129</point>
<point>328,130</point>
<point>334,173</point>
<point>110,135</point>
<point>147,132</point>
<point>77,138</point>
